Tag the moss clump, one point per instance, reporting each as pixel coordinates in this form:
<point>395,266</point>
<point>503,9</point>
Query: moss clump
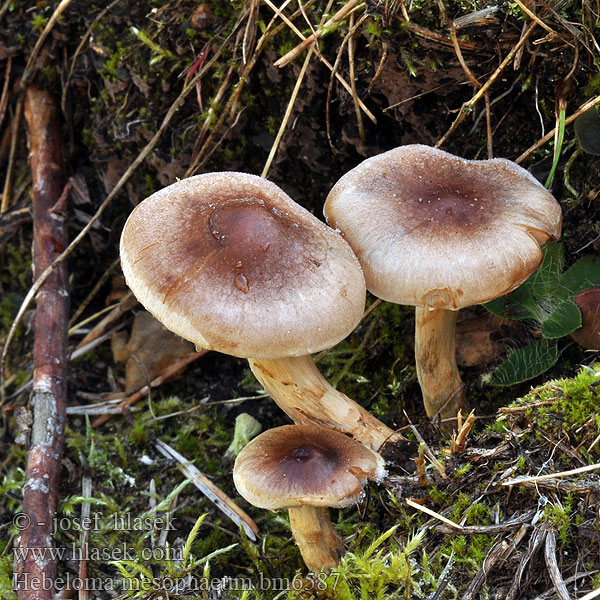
<point>559,515</point>
<point>565,408</point>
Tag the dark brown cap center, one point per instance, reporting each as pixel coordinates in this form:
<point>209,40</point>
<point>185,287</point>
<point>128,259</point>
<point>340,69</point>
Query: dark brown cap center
<point>309,460</point>
<point>246,223</point>
<point>449,206</point>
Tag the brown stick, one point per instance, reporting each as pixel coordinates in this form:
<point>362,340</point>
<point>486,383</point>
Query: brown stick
<point>34,576</point>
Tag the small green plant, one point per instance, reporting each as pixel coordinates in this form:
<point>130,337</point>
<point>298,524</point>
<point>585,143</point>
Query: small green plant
<point>38,22</point>
<point>547,300</point>
<point>159,52</point>
<point>175,568</point>
<point>378,572</point>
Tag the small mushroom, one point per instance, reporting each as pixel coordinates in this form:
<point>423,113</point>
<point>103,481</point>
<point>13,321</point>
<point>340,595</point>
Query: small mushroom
<point>233,264</point>
<point>441,233</point>
<point>588,335</point>
<point>306,469</point>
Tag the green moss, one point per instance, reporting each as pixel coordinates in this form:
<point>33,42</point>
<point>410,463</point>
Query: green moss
<point>6,575</point>
<point>437,496</point>
<point>463,470</point>
<point>562,406</point>
<point>38,22</point>
<point>560,516</point>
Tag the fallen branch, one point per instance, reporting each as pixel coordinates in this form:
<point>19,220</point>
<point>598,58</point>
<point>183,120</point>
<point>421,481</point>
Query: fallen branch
<point>34,575</point>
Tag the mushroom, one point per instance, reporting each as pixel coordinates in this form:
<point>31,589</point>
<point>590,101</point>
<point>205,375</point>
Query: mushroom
<point>231,263</point>
<point>306,469</point>
<point>588,335</point>
<point>441,233</point>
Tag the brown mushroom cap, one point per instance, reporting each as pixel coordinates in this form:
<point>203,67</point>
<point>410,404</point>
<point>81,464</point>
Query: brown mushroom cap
<point>435,230</point>
<point>298,465</point>
<point>231,263</point>
<point>588,335</point>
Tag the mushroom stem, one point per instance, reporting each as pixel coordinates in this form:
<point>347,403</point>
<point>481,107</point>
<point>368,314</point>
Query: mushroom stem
<point>435,354</point>
<point>298,388</point>
<point>319,543</point>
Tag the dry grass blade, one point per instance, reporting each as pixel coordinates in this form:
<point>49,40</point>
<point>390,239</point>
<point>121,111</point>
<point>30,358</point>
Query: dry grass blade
<point>535,479</point>
<point>583,108</point>
<point>4,98</point>
<point>332,68</point>
<point>461,60</point>
<point>221,500</point>
<point>498,553</point>
<point>84,39</point>
<point>28,71</point>
<point>434,514</point>
<point>107,273</point>
<point>340,15</point>
<point>535,18</point>
<point>199,156</point>
<point>552,566</point>
<point>286,116</point>
<point>355,99</point>
<point>591,595</point>
<point>437,465</point>
<point>109,198</point>
<point>467,106</point>
<point>15,125</point>
<point>535,543</point>
<point>168,373</point>
<point>127,302</point>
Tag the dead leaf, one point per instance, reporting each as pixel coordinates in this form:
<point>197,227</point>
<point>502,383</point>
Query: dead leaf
<point>152,348</point>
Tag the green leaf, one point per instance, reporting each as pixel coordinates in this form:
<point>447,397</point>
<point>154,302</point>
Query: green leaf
<point>526,363</point>
<point>564,318</point>
<point>519,304</point>
<point>544,281</point>
<point>583,274</point>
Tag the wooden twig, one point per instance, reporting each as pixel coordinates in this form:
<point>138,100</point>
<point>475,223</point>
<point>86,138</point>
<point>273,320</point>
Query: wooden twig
<point>458,441</point>
<point>514,522</point>
<point>40,492</point>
